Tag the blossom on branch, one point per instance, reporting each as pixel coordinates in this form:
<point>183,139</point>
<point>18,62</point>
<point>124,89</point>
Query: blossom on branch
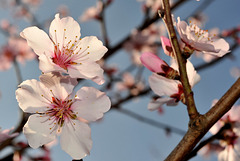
<point>64,51</point>
<point>170,90</point>
<point>6,134</point>
<point>56,110</point>
<point>16,48</point>
<point>142,41</point>
<point>159,66</point>
<point>200,40</point>
<point>230,137</point>
<point>92,12</point>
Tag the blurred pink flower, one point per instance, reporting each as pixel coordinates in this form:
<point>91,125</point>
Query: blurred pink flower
<point>32,2</point>
<point>198,19</point>
<point>92,12</point>
<point>65,51</point>
<point>230,140</point>
<point>129,83</point>
<point>7,27</point>
<point>235,72</point>
<point>56,110</point>
<point>63,10</point>
<point>140,42</point>
<point>6,134</point>
<point>169,90</point>
<point>16,48</point>
<point>153,5</point>
<point>200,40</point>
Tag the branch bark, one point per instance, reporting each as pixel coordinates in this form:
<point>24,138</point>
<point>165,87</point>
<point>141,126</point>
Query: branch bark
<point>204,122</point>
<point>167,18</point>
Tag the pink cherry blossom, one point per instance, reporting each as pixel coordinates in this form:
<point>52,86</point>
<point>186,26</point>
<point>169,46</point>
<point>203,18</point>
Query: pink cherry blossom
<point>58,111</point>
<point>92,12</point>
<point>235,72</point>
<point>230,142</point>
<point>140,42</point>
<point>65,51</point>
<point>17,49</point>
<point>6,134</point>
<point>159,66</point>
<point>153,62</point>
<point>129,83</point>
<point>167,46</point>
<point>200,40</point>
<point>169,90</point>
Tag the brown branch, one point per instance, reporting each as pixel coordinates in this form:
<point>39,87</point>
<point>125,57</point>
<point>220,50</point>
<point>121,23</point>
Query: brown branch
<point>204,122</point>
<point>103,25</point>
<point>167,18</point>
<point>218,135</point>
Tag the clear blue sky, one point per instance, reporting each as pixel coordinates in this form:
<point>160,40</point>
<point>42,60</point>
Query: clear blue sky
<point>118,137</point>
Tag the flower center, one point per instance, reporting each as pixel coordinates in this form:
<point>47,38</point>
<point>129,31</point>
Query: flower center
<point>69,52</point>
<point>59,111</point>
<point>180,95</point>
<point>199,34</point>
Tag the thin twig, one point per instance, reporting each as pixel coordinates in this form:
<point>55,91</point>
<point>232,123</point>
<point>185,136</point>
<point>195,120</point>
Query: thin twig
<point>103,25</point>
<point>144,25</point>
<point>151,122</point>
<point>167,18</point>
<point>205,122</point>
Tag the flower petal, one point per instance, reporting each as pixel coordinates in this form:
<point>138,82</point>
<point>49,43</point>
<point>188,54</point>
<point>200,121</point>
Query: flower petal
<point>91,48</point>
<point>221,46</point>
<point>155,104</point>
<point>152,62</point>
<point>38,40</point>
<point>91,71</point>
<point>193,76</point>
<point>61,85</point>
<point>64,30</point>
<point>163,86</point>
<point>167,46</point>
<point>37,131</point>
<point>29,96</point>
<point>46,65</point>
<point>92,104</point>
<point>76,139</point>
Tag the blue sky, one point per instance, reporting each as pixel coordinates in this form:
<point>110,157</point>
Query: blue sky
<point>119,137</point>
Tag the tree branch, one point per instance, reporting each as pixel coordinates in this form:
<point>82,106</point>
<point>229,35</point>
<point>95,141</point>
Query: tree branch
<point>167,18</point>
<point>204,122</point>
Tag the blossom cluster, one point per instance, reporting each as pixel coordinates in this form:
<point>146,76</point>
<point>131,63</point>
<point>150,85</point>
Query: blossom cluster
<point>165,80</point>
<point>56,109</point>
<point>227,131</point>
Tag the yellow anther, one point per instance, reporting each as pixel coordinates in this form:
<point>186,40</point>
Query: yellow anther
<point>64,29</point>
